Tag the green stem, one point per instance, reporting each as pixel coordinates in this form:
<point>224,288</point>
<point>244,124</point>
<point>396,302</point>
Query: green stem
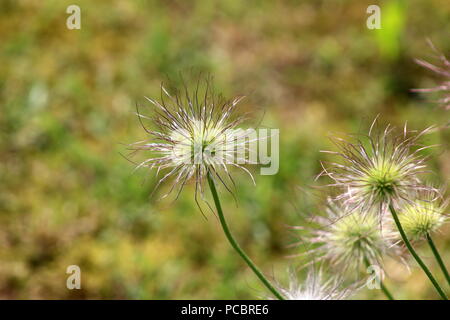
<point>438,258</point>
<point>386,291</point>
<point>415,255</point>
<point>383,288</point>
<point>235,245</point>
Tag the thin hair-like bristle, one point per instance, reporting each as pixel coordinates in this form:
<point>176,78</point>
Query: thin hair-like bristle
<point>442,71</point>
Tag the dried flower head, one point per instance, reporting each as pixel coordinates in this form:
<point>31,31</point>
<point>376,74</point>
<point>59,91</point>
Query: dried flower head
<point>378,171</point>
<point>315,287</point>
<point>349,239</point>
<point>423,216</point>
<point>443,71</point>
<point>196,134</point>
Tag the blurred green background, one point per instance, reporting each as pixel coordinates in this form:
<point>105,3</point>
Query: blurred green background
<point>67,99</point>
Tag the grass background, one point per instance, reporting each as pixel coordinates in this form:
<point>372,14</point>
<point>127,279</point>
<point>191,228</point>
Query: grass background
<point>67,100</point>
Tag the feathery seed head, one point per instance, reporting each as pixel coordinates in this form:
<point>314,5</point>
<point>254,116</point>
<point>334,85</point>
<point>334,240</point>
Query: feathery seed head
<point>349,239</point>
<point>315,287</point>
<point>423,216</point>
<point>196,134</point>
<point>378,172</point>
<point>382,178</point>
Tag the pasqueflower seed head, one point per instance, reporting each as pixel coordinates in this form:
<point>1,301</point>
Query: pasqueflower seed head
<point>196,134</point>
<point>378,171</point>
<point>349,239</point>
<point>315,287</point>
<point>423,216</point>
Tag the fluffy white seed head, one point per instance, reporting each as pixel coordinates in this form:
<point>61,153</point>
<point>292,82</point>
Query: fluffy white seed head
<point>315,287</point>
<point>378,171</point>
<point>196,134</point>
<point>349,240</point>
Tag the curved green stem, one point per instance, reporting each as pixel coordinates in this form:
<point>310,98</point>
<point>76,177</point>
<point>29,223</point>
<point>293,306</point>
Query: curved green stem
<point>382,286</point>
<point>235,245</point>
<point>438,258</point>
<point>386,291</point>
<point>414,254</point>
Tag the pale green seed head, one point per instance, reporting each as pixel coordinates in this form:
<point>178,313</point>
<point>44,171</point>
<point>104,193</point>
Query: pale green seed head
<point>198,145</point>
<point>349,240</point>
<point>355,235</point>
<point>379,170</point>
<point>196,133</point>
<point>420,218</point>
<point>382,179</point>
